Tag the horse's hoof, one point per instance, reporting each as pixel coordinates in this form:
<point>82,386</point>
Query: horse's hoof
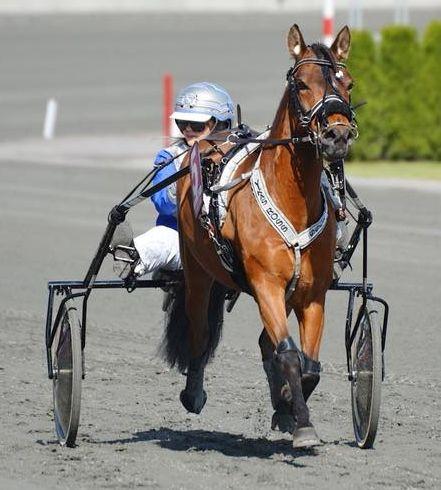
<point>305,437</point>
<point>284,422</point>
<point>193,403</point>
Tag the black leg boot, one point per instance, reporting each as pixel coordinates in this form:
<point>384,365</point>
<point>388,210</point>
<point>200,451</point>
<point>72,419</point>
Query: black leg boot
<point>310,375</point>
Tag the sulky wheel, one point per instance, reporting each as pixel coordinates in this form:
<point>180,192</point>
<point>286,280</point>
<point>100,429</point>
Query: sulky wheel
<point>67,367</point>
<point>367,378</point>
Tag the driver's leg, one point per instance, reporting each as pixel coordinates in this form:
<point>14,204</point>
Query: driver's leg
<point>158,248</point>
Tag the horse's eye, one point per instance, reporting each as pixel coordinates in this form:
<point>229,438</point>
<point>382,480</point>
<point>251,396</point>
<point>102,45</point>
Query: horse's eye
<point>351,86</point>
<point>301,85</point>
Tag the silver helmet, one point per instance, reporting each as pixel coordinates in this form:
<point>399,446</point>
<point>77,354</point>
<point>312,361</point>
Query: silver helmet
<point>201,101</point>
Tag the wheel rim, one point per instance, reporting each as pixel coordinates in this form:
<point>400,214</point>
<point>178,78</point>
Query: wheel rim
<point>67,378</point>
<point>363,379</point>
<point>366,383</point>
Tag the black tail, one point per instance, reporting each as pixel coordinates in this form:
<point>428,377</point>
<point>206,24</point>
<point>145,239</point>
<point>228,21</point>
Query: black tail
<point>174,347</point>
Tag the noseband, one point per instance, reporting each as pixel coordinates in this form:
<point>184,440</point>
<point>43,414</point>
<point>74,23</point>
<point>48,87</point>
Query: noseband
<point>330,103</point>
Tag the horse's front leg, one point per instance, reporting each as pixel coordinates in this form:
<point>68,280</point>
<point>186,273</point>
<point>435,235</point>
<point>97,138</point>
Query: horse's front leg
<point>287,357</point>
<point>280,391</point>
<point>197,298</point>
<point>311,321</point>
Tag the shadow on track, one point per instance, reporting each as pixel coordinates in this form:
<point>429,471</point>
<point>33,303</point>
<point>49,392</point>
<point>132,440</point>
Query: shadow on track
<point>235,445</point>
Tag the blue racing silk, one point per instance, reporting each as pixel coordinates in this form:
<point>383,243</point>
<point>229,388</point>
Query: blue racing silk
<point>165,199</point>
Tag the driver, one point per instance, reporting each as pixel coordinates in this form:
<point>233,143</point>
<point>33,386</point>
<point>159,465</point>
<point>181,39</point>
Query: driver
<point>200,109</point>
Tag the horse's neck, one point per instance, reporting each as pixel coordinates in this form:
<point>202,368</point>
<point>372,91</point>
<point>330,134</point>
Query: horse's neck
<point>293,174</point>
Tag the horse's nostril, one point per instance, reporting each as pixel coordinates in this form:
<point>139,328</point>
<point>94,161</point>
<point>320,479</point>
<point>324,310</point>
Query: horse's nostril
<point>338,135</point>
<point>346,134</point>
<point>331,134</point>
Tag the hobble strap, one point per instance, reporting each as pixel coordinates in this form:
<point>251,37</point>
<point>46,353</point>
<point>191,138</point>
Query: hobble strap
<point>309,366</point>
<point>286,345</point>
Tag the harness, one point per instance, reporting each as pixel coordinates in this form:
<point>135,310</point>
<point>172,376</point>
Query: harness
<point>330,103</point>
<point>246,142</point>
<point>295,240</point>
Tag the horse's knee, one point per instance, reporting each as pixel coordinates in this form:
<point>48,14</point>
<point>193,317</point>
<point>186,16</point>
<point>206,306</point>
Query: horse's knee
<point>310,375</point>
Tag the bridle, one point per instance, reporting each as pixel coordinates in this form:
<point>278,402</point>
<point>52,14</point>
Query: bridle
<point>330,103</point>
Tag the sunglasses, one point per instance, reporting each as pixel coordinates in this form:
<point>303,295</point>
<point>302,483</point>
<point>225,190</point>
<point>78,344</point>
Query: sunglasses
<point>197,127</point>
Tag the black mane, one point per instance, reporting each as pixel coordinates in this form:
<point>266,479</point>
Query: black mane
<point>324,53</point>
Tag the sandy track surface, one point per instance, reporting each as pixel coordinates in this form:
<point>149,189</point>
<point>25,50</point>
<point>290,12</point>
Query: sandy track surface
<point>54,198</point>
<point>135,433</point>
<point>133,430</point>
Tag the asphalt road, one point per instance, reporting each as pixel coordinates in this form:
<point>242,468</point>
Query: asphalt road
<point>133,430</point>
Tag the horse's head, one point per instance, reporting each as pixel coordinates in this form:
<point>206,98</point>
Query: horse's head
<point>320,87</point>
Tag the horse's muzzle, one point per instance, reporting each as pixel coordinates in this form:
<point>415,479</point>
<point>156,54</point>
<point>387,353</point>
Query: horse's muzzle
<point>336,139</point>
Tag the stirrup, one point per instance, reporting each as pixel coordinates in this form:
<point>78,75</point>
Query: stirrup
<point>124,260</point>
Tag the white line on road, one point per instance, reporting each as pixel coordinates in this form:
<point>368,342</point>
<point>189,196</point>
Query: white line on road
<point>390,183</point>
<point>409,230</point>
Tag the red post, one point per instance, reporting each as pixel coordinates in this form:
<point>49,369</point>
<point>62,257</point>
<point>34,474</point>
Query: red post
<point>167,105</point>
<point>328,22</point>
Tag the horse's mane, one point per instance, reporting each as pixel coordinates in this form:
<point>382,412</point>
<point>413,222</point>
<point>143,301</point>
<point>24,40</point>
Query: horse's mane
<point>324,53</point>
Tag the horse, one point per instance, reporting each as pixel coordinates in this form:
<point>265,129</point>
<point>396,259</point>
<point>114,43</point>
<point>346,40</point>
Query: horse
<point>313,122</point>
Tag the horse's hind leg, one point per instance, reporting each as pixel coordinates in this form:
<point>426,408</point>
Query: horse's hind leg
<point>201,340</point>
<point>281,397</point>
<point>193,397</point>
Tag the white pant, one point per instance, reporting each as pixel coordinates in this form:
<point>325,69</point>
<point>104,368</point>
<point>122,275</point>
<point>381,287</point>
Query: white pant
<point>158,248</point>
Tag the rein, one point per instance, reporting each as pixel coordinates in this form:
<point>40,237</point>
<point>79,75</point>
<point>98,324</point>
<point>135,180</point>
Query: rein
<point>239,138</point>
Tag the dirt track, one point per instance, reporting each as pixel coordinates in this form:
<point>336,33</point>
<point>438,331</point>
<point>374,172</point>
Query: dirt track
<point>105,72</point>
<point>135,433</point>
<point>133,429</point>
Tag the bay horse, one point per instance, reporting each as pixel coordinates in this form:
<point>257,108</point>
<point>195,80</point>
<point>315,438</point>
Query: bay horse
<point>314,119</point>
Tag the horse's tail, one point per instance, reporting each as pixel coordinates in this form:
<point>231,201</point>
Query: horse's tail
<point>215,318</point>
<point>175,347</point>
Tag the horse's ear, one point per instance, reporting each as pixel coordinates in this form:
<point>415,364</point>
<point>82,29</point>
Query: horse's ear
<point>296,44</point>
<point>342,43</point>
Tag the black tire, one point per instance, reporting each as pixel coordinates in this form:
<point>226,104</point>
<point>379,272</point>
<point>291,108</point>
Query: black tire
<point>367,366</point>
<point>67,366</point>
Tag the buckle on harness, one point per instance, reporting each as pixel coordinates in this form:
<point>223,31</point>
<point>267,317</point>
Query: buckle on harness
<point>233,138</point>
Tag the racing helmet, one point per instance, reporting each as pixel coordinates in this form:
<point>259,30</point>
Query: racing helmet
<point>201,101</point>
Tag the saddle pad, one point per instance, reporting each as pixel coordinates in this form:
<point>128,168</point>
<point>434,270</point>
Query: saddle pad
<point>230,169</point>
